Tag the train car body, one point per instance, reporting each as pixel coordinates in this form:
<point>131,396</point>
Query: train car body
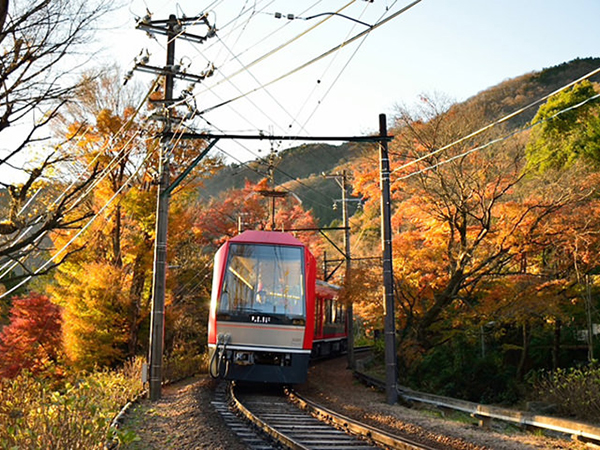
<point>330,333</point>
<point>261,319</point>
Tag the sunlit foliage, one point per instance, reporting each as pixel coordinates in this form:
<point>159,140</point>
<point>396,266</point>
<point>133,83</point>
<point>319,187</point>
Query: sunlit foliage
<point>32,339</point>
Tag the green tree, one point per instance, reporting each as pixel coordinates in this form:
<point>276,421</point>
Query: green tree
<point>569,130</point>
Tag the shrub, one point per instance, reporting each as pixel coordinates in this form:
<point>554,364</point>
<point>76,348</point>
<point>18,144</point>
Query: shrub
<point>574,392</point>
<point>457,370</point>
<point>35,413</point>
<point>183,363</point>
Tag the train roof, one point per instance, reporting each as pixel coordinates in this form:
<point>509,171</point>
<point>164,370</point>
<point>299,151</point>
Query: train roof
<point>266,237</point>
<point>327,290</point>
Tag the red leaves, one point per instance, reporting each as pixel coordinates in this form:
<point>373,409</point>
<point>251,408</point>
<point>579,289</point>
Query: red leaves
<point>33,337</point>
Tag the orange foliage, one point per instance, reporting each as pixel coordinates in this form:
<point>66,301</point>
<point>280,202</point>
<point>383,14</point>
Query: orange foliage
<point>221,218</point>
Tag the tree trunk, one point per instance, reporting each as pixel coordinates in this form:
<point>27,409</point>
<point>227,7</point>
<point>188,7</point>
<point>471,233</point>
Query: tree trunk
<point>524,353</point>
<point>116,238</point>
<point>556,344</point>
<point>135,294</point>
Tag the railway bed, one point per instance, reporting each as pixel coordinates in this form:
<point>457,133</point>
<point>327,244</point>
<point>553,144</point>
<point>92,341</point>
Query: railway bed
<point>286,420</point>
<point>186,418</point>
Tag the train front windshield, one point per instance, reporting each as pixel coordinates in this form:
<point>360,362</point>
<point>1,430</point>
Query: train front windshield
<point>263,283</point>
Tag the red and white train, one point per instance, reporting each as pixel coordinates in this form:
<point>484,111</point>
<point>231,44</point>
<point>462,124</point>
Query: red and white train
<point>268,313</point>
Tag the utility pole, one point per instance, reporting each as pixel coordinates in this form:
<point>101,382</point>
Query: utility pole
<point>157,317</point>
<point>173,29</point>
<point>388,274</point>
<point>272,193</point>
<point>345,218</point>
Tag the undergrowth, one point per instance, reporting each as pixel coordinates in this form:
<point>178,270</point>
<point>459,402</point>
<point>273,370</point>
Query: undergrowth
<point>574,392</point>
<point>74,412</point>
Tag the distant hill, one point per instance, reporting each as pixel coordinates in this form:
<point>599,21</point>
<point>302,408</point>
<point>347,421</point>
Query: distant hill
<point>299,169</point>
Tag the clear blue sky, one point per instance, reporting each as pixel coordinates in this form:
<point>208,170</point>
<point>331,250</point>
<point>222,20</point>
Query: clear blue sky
<point>457,48</point>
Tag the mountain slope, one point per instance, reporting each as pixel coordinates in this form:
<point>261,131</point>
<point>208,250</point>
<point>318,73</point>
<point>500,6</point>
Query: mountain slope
<point>298,169</point>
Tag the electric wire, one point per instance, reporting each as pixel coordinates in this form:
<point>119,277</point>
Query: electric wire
<point>336,79</point>
<point>314,60</point>
<point>236,57</point>
<point>501,139</point>
<point>79,233</point>
<point>499,121</point>
<point>267,55</point>
<point>18,261</point>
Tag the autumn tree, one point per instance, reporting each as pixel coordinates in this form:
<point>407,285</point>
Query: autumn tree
<point>116,251</point>
<point>40,44</point>
<point>32,339</point>
<point>246,208</point>
<point>453,228</point>
<point>565,150</point>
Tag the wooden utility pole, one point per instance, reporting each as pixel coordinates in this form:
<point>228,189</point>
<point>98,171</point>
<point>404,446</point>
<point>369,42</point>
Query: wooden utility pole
<point>388,274</point>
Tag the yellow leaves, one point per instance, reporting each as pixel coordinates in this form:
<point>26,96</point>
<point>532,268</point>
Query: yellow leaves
<point>107,122</point>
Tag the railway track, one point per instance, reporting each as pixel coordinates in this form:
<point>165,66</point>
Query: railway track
<point>270,418</point>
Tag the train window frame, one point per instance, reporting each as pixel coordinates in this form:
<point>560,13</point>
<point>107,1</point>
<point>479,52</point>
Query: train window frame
<point>266,279</point>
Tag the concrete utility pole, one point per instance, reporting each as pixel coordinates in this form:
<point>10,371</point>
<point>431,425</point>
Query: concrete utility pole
<point>157,318</point>
<point>349,311</point>
<point>173,29</point>
<point>348,258</point>
<point>388,274</point>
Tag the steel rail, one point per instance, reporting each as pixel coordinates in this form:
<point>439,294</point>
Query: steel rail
<point>279,437</point>
<point>352,426</point>
<point>485,413</point>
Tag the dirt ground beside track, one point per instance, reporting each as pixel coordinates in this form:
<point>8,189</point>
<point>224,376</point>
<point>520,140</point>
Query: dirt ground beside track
<point>184,418</point>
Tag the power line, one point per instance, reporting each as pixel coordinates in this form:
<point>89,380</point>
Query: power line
<point>79,233</point>
<point>497,122</point>
<point>314,60</point>
<point>501,139</point>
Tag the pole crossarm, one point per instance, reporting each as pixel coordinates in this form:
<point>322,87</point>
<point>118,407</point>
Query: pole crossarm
<point>173,72</point>
<point>280,138</point>
<point>160,27</point>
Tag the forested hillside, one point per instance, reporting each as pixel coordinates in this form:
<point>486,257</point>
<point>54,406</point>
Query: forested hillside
<point>298,169</point>
<point>495,242</point>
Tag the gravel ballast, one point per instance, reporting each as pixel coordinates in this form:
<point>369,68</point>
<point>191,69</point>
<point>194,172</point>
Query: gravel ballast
<point>184,417</point>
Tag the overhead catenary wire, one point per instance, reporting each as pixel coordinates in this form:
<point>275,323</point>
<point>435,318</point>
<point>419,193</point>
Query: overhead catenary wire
<point>501,139</point>
<point>499,121</point>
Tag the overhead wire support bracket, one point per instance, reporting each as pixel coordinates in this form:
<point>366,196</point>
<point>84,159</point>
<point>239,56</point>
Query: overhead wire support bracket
<point>189,168</point>
<point>159,27</point>
<point>365,139</point>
